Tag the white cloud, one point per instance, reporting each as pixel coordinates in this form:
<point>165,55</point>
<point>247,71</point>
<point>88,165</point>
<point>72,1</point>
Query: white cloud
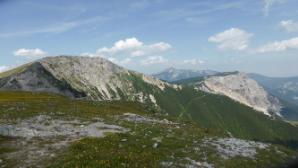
<point>231,39</point>
<point>128,52</point>
<point>268,4</point>
<point>121,45</point>
<point>289,25</point>
<point>154,60</point>
<point>133,47</point>
<point>279,46</point>
<point>129,43</point>
<point>138,53</point>
<point>30,53</point>
<point>4,68</point>
<point>126,61</point>
<point>158,47</point>
<point>193,62</point>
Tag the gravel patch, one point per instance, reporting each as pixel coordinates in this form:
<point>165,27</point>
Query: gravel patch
<point>231,147</point>
<point>38,139</point>
<point>45,126</point>
<point>130,117</point>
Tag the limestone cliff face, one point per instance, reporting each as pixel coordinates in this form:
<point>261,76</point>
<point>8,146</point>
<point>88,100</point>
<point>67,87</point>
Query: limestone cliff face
<point>92,78</point>
<point>241,88</point>
<point>97,77</point>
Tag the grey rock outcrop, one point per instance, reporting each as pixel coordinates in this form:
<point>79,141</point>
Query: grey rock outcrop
<point>241,88</point>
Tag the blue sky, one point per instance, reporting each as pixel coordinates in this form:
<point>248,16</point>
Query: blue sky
<point>151,35</point>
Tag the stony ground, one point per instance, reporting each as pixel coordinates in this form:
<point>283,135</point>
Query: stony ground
<point>117,134</point>
<point>42,138</point>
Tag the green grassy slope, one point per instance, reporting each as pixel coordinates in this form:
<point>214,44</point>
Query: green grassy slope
<point>16,104</point>
<point>211,111</point>
<point>220,112</point>
<point>215,111</point>
<point>14,71</point>
<point>177,143</point>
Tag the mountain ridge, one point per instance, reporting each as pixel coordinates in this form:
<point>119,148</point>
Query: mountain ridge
<point>182,102</point>
<point>92,78</point>
<point>281,88</point>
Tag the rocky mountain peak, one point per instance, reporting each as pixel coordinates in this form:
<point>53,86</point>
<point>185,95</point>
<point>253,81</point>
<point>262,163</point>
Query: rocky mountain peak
<point>239,87</point>
<point>83,77</point>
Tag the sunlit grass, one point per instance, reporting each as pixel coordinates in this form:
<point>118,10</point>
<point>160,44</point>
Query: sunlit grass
<point>175,143</point>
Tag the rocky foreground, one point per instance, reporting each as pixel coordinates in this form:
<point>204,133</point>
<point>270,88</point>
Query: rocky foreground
<point>52,131</point>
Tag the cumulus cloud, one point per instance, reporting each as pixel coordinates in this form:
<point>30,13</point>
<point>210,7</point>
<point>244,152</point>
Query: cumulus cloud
<point>4,68</point>
<point>279,46</point>
<point>161,46</point>
<point>30,53</point>
<point>154,60</point>
<point>193,62</point>
<point>133,51</point>
<point>267,4</point>
<point>133,47</point>
<point>289,25</point>
<point>231,39</point>
<point>122,45</point>
<point>138,53</point>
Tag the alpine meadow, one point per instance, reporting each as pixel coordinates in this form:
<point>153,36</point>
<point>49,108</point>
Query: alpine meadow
<point>148,84</point>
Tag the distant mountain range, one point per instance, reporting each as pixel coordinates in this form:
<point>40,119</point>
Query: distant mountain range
<point>285,88</point>
<point>173,74</point>
<point>228,101</point>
